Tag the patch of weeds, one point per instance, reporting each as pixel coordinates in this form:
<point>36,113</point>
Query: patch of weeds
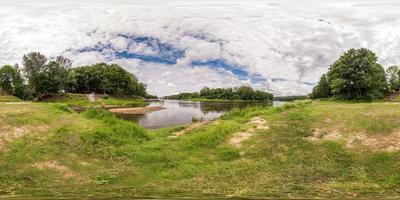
<point>211,136</point>
<point>229,154</point>
<point>63,108</point>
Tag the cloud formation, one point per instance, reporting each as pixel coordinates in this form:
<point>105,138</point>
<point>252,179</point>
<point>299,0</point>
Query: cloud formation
<point>182,45</point>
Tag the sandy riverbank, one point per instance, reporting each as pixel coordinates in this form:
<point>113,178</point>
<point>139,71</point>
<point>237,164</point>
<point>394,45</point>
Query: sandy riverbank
<point>136,110</point>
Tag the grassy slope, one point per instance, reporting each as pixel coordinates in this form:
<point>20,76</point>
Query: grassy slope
<point>7,98</point>
<point>110,157</point>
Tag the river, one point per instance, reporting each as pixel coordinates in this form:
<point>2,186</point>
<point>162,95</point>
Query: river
<point>182,112</point>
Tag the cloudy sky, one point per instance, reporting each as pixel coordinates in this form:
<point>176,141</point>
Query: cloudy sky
<point>281,46</point>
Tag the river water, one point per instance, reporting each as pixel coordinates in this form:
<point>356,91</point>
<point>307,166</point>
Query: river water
<point>182,112</point>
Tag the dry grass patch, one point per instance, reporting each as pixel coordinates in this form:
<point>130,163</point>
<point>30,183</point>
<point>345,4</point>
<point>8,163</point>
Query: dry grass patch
<point>55,166</point>
<point>8,133</point>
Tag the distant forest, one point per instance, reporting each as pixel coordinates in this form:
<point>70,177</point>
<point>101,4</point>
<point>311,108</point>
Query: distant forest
<point>39,77</point>
<point>238,93</point>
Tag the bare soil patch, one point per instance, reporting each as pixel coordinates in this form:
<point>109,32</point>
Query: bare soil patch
<point>192,126</point>
<point>258,123</point>
<point>8,133</point>
<point>387,142</point>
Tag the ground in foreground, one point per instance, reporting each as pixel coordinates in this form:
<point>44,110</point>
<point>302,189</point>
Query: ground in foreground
<point>310,149</point>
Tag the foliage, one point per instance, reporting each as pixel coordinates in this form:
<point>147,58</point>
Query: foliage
<point>240,93</point>
<point>44,77</point>
<point>355,75</point>
<point>322,90</point>
<point>34,65</point>
<point>393,77</point>
<point>290,98</point>
<point>106,79</point>
<point>11,81</point>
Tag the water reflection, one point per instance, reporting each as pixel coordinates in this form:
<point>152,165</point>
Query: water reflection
<point>182,112</point>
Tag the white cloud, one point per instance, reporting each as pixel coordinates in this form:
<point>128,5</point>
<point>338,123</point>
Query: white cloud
<point>286,42</point>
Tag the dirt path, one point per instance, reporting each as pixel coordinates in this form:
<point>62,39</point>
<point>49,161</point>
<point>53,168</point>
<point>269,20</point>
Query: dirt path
<point>189,128</point>
<point>258,123</point>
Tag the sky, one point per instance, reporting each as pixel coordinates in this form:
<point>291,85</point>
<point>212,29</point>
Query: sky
<point>279,46</point>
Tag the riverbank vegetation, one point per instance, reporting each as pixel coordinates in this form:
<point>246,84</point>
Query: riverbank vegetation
<point>39,77</point>
<point>243,93</point>
<point>100,100</point>
<point>305,149</point>
<point>357,75</point>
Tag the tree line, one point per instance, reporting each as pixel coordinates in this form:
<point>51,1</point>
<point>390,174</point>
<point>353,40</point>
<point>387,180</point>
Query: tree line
<point>237,93</point>
<point>40,76</point>
<point>357,75</point>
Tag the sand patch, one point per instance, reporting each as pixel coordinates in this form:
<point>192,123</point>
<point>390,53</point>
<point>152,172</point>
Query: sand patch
<point>389,142</point>
<point>136,111</point>
<point>55,166</point>
<point>258,123</point>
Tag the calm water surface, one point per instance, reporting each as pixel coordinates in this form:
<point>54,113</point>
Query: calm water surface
<point>182,112</point>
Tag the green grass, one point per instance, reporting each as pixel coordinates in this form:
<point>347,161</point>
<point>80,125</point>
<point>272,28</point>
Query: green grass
<point>109,157</point>
<point>9,98</point>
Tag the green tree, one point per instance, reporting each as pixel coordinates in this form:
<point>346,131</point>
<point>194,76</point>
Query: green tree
<point>107,79</point>
<point>357,75</point>
<point>11,81</point>
<point>393,77</point>
<point>322,89</point>
<point>34,64</point>
<point>56,75</point>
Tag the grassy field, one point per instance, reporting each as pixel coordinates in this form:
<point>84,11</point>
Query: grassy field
<point>7,98</point>
<point>308,149</point>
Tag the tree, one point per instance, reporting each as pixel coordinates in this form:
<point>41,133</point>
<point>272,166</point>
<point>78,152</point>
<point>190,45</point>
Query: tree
<point>11,81</point>
<point>322,89</point>
<point>393,77</point>
<point>241,93</point>
<point>34,64</point>
<point>245,93</point>
<point>107,79</point>
<point>56,75</point>
<point>357,75</point>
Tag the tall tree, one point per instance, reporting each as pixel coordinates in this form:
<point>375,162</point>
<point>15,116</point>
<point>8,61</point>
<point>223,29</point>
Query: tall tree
<point>393,77</point>
<point>322,89</point>
<point>11,81</point>
<point>56,75</point>
<point>357,74</point>
<point>34,64</point>
<point>64,65</point>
